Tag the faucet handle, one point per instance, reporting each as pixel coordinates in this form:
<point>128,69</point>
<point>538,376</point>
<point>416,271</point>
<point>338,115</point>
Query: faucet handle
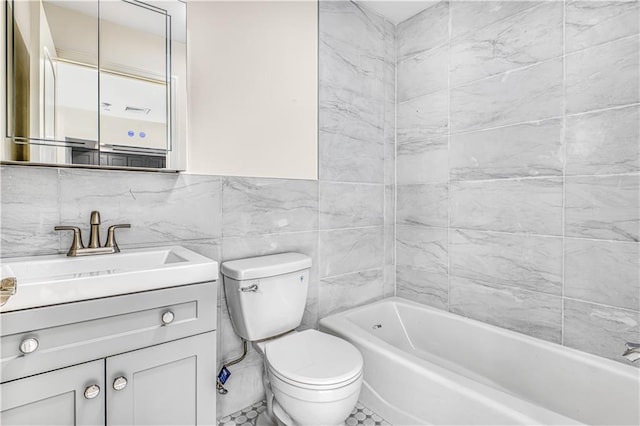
<point>111,236</point>
<point>76,244</point>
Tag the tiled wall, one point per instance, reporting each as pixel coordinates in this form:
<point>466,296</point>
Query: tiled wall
<point>518,167</point>
<point>344,221</point>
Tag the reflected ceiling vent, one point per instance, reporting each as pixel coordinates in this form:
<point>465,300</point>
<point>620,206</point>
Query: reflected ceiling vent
<point>139,111</point>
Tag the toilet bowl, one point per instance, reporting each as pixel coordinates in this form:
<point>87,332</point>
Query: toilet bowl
<point>314,378</point>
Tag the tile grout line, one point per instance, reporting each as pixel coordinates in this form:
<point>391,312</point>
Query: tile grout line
<point>564,163</point>
<point>450,29</point>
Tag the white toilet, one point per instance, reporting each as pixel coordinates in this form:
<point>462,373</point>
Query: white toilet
<point>310,378</point>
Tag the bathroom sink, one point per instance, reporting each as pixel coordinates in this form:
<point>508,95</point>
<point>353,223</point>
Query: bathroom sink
<point>49,280</point>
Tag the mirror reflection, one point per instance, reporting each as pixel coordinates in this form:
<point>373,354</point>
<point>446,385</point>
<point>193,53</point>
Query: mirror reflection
<point>96,82</point>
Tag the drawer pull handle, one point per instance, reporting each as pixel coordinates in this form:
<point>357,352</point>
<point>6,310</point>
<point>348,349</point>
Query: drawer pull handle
<point>29,345</point>
<point>120,383</point>
<point>168,317</point>
<point>92,391</point>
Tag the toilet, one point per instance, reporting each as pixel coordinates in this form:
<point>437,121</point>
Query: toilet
<point>310,378</point>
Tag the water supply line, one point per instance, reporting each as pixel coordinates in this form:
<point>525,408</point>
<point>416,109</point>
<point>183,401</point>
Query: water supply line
<point>224,373</point>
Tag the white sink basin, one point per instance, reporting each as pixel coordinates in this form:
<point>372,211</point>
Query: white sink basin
<point>49,280</point>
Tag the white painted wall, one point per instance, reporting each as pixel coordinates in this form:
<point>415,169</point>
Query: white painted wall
<point>253,88</point>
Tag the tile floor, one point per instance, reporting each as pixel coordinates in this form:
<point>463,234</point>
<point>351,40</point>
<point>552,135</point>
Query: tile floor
<point>361,415</point>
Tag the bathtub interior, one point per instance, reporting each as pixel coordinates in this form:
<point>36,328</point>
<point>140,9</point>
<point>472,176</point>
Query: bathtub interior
<point>571,383</point>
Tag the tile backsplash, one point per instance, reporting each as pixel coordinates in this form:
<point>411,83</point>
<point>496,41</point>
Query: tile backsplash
<point>518,167</point>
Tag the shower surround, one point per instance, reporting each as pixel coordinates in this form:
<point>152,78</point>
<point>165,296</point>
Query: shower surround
<point>518,167</point>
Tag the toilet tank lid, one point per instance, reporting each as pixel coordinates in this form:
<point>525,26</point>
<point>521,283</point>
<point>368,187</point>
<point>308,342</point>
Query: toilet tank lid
<point>265,266</point>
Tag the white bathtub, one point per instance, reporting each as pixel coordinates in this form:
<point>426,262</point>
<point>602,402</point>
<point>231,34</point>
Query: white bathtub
<point>426,366</point>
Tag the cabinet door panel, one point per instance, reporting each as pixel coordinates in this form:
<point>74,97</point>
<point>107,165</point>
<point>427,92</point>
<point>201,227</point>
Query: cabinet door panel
<point>169,384</point>
<point>55,398</point>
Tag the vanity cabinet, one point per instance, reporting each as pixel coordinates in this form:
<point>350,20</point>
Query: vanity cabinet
<point>142,358</point>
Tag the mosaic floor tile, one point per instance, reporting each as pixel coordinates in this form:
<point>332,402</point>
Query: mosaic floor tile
<point>360,415</point>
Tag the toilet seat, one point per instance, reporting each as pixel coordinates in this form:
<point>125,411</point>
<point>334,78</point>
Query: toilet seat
<point>314,360</point>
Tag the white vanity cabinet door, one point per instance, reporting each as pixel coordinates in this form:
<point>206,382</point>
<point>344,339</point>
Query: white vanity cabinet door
<point>169,384</point>
<point>56,398</point>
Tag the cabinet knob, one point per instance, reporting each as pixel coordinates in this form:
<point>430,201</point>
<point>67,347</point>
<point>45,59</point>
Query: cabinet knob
<point>168,317</point>
<point>29,345</point>
<point>92,391</point>
<point>120,383</point>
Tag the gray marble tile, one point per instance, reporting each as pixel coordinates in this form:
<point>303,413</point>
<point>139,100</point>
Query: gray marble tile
<point>527,205</point>
<point>389,261</point>
<point>603,76</point>
<point>263,206</point>
<point>422,248</point>
<point>523,150</point>
<point>390,162</point>
<point>424,73</point>
<point>390,205</point>
<point>593,22</point>
<point>425,205</point>
<point>348,291</point>
<point>536,314</point>
<point>29,211</point>
<point>262,245</point>
<point>159,206</point>
<point>603,272</point>
<point>428,287</point>
<point>351,250</point>
<point>350,205</point>
<point>423,118</point>
<point>347,159</point>
<point>605,142</point>
<point>470,16</point>
<point>516,260</point>
<point>522,39</point>
<point>600,330</point>
<point>529,94</point>
<point>603,207</point>
<point>423,161</point>
<point>423,31</point>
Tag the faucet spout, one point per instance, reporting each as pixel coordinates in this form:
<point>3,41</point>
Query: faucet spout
<point>633,352</point>
<point>94,236</point>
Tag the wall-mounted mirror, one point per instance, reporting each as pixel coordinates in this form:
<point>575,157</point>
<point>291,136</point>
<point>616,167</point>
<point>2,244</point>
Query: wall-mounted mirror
<point>96,83</point>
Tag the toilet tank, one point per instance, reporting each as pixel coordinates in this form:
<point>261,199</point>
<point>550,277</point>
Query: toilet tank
<point>266,295</point>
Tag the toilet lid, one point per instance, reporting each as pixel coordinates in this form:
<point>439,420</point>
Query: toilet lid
<point>315,358</point>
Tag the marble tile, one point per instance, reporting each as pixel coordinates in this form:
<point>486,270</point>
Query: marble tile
<point>523,261</point>
<point>593,22</point>
<point>423,161</point>
<point>350,205</point>
<point>424,73</point>
<point>603,76</point>
<point>527,205</point>
<point>600,330</point>
<point>347,159</point>
<point>536,314</point>
<point>245,387</point>
<point>522,39</point>
<point>389,260</point>
<point>262,245</point>
<point>29,211</point>
<point>605,142</point>
<point>390,161</point>
<point>348,291</point>
<point>425,205</point>
<point>603,207</point>
<point>430,288</point>
<point>422,248</point>
<point>529,94</point>
<point>423,31</point>
<point>351,250</point>
<point>423,118</point>
<point>523,150</point>
<point>603,272</point>
<point>159,206</point>
<point>390,205</point>
<point>471,16</point>
<point>263,206</point>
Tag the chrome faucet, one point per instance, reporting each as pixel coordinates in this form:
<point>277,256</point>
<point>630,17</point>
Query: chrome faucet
<point>77,247</point>
<point>633,352</point>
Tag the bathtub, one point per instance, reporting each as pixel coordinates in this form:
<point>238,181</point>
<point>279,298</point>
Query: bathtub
<point>426,366</point>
